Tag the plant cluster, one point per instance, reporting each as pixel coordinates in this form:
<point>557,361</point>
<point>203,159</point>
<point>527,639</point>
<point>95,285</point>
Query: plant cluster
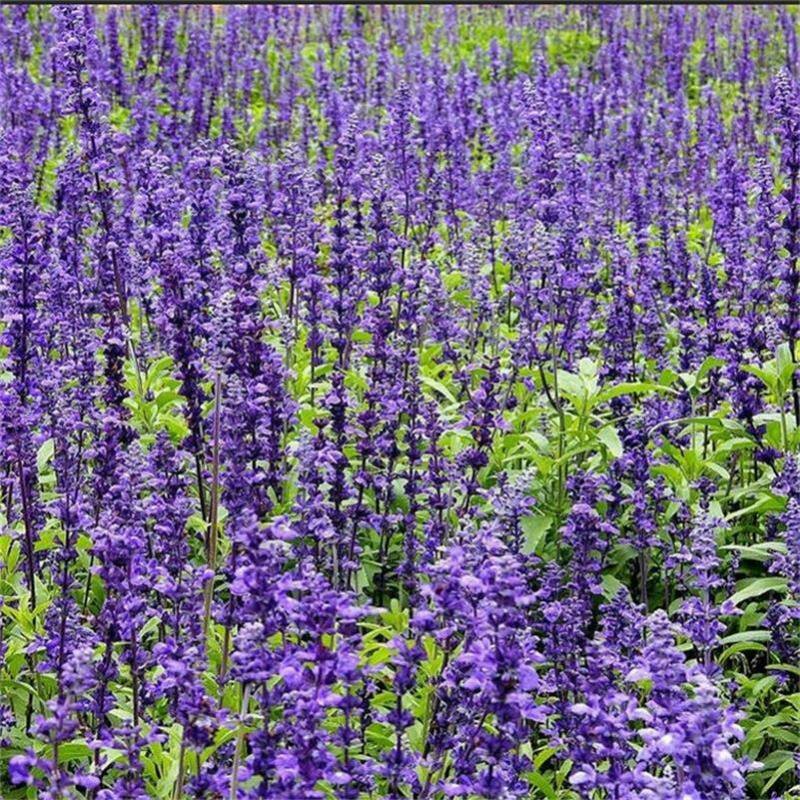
<point>399,402</point>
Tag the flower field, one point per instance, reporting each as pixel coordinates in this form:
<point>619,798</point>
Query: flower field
<point>399,402</point>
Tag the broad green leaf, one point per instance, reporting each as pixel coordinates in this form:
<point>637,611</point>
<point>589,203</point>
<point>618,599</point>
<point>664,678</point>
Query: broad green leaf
<point>610,438</point>
<point>535,528</point>
<point>438,386</point>
<point>44,454</point>
<point>757,587</point>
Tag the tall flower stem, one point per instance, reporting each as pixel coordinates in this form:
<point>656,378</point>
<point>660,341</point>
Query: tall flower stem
<point>211,545</point>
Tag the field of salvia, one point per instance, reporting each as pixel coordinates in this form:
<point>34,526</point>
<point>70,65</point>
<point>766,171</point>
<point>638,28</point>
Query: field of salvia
<point>399,402</point>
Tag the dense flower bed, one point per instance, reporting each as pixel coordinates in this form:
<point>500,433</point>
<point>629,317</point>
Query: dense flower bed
<point>399,402</point>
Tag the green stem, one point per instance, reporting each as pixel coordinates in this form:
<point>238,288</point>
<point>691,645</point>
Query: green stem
<point>181,768</point>
<point>214,514</point>
<point>237,753</point>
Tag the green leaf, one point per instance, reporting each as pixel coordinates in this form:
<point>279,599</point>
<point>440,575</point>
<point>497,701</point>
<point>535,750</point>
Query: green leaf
<point>758,587</point>
<point>784,361</point>
<point>747,636</point>
<point>785,668</point>
<point>762,504</point>
<point>784,767</point>
<point>633,387</point>
<point>712,362</point>
<point>571,385</point>
<point>611,586</point>
<point>544,756</point>
<point>718,470</point>
<point>543,784</point>
<point>763,552</point>
<point>438,386</point>
<point>587,368</point>
<point>45,454</point>
<point>71,751</point>
<point>741,647</point>
<point>167,397</point>
<point>535,528</point>
<point>610,438</point>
